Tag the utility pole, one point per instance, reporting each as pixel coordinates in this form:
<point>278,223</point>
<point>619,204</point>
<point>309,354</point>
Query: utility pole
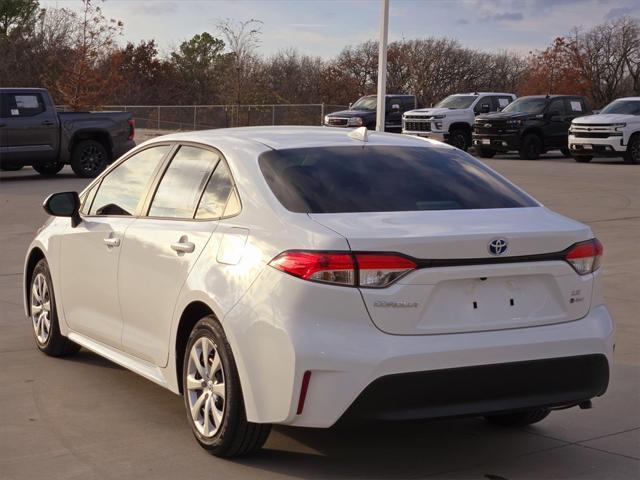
<point>382,65</point>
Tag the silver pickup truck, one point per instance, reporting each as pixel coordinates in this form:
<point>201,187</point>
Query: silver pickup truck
<point>33,133</point>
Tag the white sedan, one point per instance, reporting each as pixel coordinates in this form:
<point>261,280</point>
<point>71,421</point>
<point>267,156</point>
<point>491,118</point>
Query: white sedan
<point>299,276</point>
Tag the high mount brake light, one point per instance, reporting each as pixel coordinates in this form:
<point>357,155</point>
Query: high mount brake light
<point>585,257</point>
<point>369,270</point>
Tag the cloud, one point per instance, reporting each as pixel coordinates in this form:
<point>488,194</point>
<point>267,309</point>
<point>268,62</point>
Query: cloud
<point>154,8</point>
<point>462,21</point>
<point>308,25</point>
<point>621,12</point>
<point>508,16</point>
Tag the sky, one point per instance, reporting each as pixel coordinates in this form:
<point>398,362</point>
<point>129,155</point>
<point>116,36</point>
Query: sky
<point>325,27</point>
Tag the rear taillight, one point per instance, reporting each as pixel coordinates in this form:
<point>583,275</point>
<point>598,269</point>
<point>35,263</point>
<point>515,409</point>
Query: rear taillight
<point>132,129</point>
<point>585,257</point>
<point>368,270</point>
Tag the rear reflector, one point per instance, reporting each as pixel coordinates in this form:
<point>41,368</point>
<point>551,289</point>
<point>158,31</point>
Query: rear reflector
<point>585,257</point>
<point>303,391</point>
<point>369,270</point>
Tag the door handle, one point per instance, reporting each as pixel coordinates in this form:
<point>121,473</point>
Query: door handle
<point>111,242</point>
<point>47,123</point>
<point>183,245</point>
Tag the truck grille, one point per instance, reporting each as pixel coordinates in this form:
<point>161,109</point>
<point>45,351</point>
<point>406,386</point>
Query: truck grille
<point>591,134</point>
<point>492,126</point>
<point>417,126</point>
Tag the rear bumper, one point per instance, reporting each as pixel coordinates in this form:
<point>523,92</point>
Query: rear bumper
<point>497,142</point>
<point>483,389</point>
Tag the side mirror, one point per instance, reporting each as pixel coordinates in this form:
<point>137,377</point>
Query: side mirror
<point>350,104</point>
<point>64,204</point>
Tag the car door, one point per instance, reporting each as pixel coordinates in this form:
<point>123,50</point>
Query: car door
<point>30,130</point>
<point>161,248</point>
<point>483,105</point>
<point>556,128</point>
<point>393,116</point>
<point>90,252</point>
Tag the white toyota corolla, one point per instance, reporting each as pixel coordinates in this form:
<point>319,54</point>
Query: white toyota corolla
<point>298,275</point>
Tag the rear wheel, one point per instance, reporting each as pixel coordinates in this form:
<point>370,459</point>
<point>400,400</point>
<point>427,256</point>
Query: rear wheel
<point>44,317</point>
<point>531,147</point>
<point>583,158</point>
<point>49,168</point>
<point>632,155</point>
<point>459,139</point>
<point>89,158</point>
<point>518,419</point>
<point>213,397</point>
<point>486,153</point>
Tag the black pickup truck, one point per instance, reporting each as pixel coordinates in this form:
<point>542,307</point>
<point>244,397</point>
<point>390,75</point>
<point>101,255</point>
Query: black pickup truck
<point>530,125</point>
<point>33,133</point>
<point>363,113</point>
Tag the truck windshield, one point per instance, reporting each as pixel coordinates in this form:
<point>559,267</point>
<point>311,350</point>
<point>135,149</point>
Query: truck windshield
<point>456,102</point>
<point>624,107</point>
<point>365,103</point>
<point>526,105</point>
<point>384,179</point>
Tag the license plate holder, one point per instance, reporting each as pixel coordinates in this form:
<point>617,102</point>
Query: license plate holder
<point>486,141</point>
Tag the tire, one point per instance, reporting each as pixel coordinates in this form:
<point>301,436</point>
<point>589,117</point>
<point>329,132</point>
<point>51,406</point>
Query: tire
<point>583,158</point>
<point>46,330</point>
<point>48,169</point>
<point>531,147</point>
<point>565,152</point>
<point>486,153</point>
<point>518,419</point>
<point>459,139</point>
<point>632,155</point>
<point>220,425</point>
<point>89,158</point>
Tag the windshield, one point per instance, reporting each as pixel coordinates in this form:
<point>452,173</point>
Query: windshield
<point>456,102</point>
<point>526,105</point>
<point>624,107</point>
<point>384,179</point>
<point>365,103</point>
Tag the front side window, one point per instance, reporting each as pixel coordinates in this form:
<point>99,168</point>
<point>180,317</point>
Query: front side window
<point>483,102</point>
<point>384,179</point>
<point>183,182</point>
<point>557,107</point>
<point>125,186</point>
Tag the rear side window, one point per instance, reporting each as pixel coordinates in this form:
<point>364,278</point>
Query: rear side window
<point>125,186</point>
<point>183,183</point>
<point>385,179</point>
<point>217,194</point>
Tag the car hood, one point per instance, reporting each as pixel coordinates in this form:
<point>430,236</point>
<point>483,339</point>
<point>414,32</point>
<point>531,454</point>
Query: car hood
<point>606,118</point>
<point>507,116</point>
<point>352,113</point>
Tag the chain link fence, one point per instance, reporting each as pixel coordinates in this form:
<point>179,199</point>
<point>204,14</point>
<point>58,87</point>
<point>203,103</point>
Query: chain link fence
<point>202,117</point>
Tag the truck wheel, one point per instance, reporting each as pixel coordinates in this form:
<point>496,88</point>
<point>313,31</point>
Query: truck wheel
<point>48,169</point>
<point>486,153</point>
<point>583,158</point>
<point>531,147</point>
<point>459,139</point>
<point>565,152</point>
<point>632,155</point>
<point>89,158</point>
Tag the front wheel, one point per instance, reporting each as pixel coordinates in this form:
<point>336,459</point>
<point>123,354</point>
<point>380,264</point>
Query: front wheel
<point>632,155</point>
<point>459,139</point>
<point>89,158</point>
<point>565,152</point>
<point>531,147</point>
<point>518,419</point>
<point>213,397</point>
<point>44,316</point>
<point>583,158</point>
<point>48,169</point>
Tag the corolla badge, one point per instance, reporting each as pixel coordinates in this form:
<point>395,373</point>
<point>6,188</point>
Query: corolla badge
<point>498,246</point>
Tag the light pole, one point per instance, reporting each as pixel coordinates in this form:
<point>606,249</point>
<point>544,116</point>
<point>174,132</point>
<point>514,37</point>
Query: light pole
<point>382,64</point>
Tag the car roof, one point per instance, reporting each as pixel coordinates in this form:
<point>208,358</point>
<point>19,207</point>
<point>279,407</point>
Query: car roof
<point>485,93</point>
<point>286,137</point>
<point>17,89</point>
<point>391,95</point>
<point>553,96</point>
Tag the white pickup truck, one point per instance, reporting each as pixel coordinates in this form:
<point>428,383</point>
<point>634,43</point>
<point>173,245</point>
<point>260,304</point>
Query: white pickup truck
<point>452,119</point>
<point>614,132</point>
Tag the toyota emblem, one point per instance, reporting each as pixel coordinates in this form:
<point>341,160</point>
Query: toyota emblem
<point>498,246</point>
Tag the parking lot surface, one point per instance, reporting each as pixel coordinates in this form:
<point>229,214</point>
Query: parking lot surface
<point>84,417</point>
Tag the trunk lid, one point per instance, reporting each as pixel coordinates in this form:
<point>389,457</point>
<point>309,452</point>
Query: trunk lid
<point>470,295</point>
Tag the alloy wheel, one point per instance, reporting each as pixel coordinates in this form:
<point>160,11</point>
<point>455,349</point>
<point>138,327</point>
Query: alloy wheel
<point>41,308</point>
<point>91,158</point>
<point>635,151</point>
<point>206,387</point>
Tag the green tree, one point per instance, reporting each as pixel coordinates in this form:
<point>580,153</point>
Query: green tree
<point>199,62</point>
<point>20,14</point>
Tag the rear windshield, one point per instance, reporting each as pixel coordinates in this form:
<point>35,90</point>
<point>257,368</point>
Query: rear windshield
<point>384,179</point>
